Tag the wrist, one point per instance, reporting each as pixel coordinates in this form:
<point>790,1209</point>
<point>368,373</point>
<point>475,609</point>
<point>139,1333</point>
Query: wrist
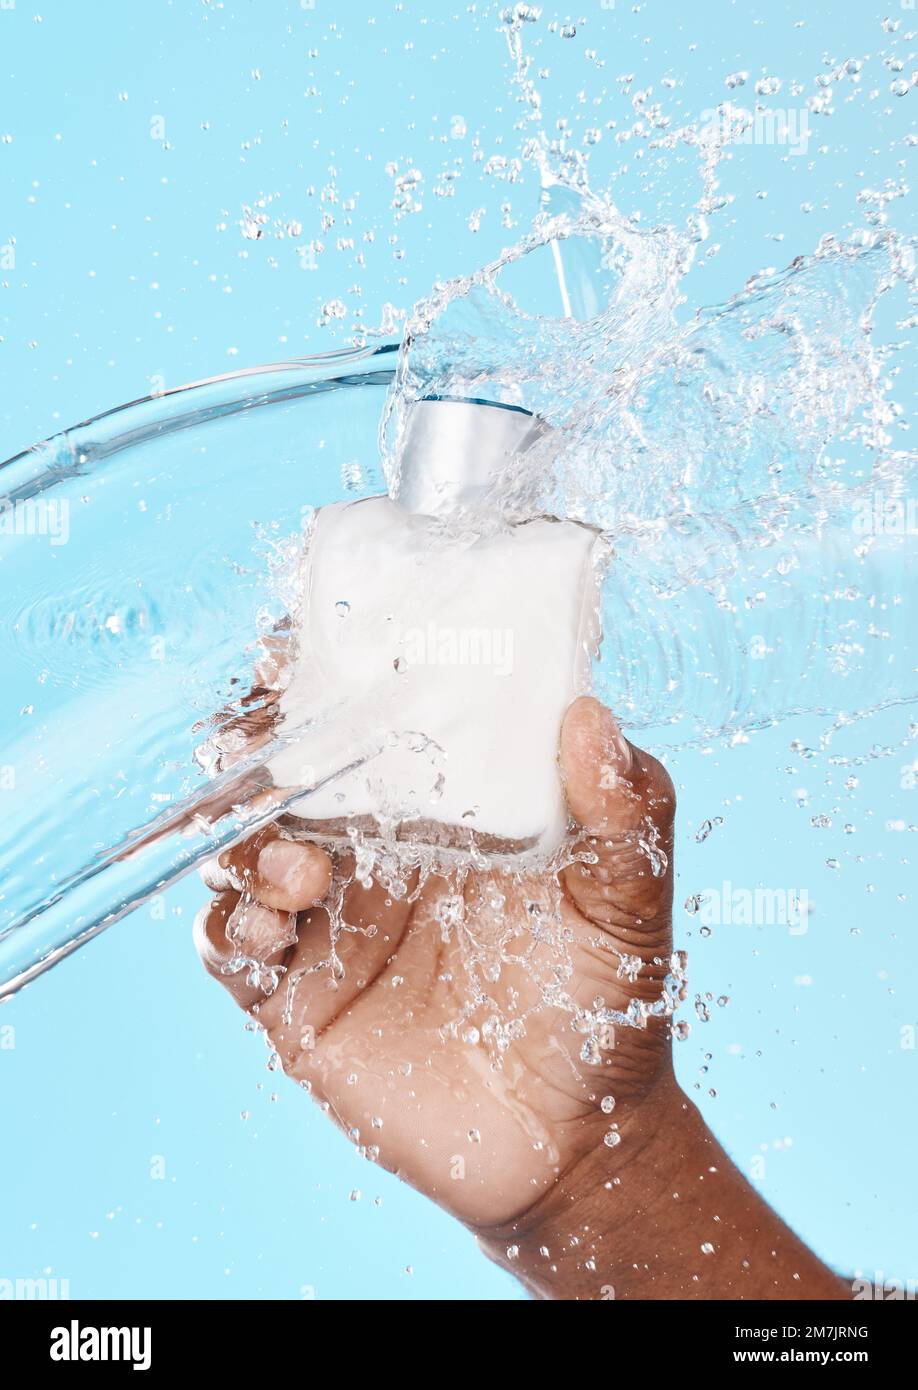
<point>565,1245</point>
<point>663,1215</point>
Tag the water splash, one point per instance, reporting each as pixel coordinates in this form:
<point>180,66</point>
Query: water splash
<point>744,461</point>
<point>748,462</point>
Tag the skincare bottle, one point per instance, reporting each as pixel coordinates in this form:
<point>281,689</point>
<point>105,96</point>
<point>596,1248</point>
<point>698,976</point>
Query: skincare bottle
<point>449,634</point>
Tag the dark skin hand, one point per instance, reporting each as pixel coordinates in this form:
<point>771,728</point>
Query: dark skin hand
<point>517,1152</point>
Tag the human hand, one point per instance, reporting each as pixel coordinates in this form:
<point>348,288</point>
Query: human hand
<point>365,994</point>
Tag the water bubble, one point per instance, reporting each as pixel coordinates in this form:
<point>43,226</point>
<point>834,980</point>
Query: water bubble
<point>768,86</point>
<point>706,827</point>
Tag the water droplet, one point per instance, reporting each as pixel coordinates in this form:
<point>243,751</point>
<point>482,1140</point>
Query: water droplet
<point>768,86</point>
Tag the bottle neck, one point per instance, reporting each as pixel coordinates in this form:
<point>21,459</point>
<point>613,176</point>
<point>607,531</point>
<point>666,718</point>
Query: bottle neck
<point>454,451</point>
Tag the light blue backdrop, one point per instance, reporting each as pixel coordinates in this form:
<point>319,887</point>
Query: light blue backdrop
<point>135,136</point>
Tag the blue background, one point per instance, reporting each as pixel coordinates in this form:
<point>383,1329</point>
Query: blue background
<point>131,273</point>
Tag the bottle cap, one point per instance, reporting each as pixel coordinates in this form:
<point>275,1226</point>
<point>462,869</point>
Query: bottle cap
<point>455,449</point>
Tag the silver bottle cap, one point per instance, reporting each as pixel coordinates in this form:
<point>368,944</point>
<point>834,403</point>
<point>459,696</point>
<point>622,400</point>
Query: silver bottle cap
<point>453,451</point>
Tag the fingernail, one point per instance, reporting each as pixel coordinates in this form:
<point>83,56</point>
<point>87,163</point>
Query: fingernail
<point>622,749</point>
<point>283,863</point>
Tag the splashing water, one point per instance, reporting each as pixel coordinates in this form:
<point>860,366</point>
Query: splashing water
<point>745,462</point>
<point>744,467</point>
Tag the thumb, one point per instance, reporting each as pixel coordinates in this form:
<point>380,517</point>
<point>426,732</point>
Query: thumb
<point>625,802</point>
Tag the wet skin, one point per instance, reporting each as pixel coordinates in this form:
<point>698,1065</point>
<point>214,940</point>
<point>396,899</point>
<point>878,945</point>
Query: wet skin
<point>381,1033</point>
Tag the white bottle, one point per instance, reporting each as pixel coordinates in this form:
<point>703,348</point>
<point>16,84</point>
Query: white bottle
<point>444,650</point>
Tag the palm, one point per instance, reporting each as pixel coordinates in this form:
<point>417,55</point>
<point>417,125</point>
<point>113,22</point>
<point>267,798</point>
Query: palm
<point>448,1030</point>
